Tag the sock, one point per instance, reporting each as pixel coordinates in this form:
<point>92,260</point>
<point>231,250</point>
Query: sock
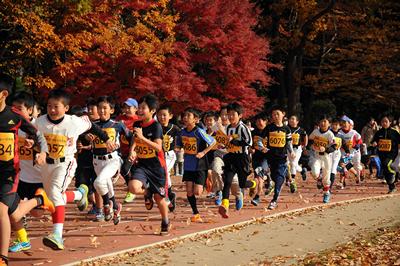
<point>115,206</point>
<point>106,199</point>
<point>59,215</point>
<point>332,179</point>
<point>256,197</point>
<point>72,196</point>
<point>192,201</point>
<point>22,235</point>
<point>58,229</point>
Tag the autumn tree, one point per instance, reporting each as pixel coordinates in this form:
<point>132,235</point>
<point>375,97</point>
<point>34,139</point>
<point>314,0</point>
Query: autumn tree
<point>217,56</point>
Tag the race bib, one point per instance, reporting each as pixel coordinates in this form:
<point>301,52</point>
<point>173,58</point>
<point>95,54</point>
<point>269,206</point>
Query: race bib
<point>295,139</point>
<point>277,139</point>
<point>167,139</point>
<point>385,145</point>
<point>99,144</point>
<point>143,150</point>
<point>56,145</point>
<point>189,145</point>
<point>24,153</point>
<point>221,138</point>
<point>6,146</point>
<point>320,142</point>
<point>349,144</point>
<point>338,142</point>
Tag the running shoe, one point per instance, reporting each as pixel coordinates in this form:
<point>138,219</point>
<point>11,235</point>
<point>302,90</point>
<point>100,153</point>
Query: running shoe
<point>239,202</point>
<point>218,198</point>
<point>129,197</point>
<point>117,214</point>
<point>293,186</point>
<point>54,242</point>
<point>108,212</point>
<point>196,218</point>
<point>272,205</point>
<point>18,246</point>
<point>326,197</point>
<point>83,203</point>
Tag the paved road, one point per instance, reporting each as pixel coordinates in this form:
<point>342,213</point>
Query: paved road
<point>85,238</point>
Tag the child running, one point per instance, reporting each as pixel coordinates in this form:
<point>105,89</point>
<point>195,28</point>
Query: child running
<point>260,164</point>
<point>30,179</point>
<point>299,141</point>
<point>352,139</point>
<point>107,164</point>
<point>170,133</point>
<point>237,160</point>
<point>322,142</point>
<point>61,132</point>
<point>128,117</point>
<point>196,144</point>
<point>11,209</point>
<point>279,145</point>
<point>148,176</point>
<point>387,140</point>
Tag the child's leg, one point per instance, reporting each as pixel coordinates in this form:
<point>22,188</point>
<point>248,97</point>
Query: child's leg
<point>326,170</point>
<point>136,187</point>
<point>278,175</point>
<point>191,197</point>
<point>56,178</point>
<point>5,229</point>
<point>105,172</point>
<point>217,172</point>
<point>162,206</point>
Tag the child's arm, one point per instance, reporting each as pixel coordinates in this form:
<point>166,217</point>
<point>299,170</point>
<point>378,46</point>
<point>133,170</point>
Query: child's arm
<point>204,152</point>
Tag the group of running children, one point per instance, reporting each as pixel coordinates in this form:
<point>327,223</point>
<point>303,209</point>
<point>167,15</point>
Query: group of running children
<point>39,157</point>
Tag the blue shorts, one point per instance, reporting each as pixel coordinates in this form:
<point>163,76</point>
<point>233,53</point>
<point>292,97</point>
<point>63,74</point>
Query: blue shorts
<point>154,179</point>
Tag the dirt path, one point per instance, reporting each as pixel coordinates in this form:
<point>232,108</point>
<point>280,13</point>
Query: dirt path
<point>287,236</point>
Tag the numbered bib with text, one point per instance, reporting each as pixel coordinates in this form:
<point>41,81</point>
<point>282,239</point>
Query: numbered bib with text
<point>221,138</point>
<point>57,145</point>
<point>277,139</point>
<point>189,145</point>
<point>99,144</point>
<point>338,142</point>
<point>24,153</point>
<point>6,146</point>
<point>385,145</point>
<point>143,150</point>
<point>295,139</point>
<point>167,139</point>
<point>320,142</point>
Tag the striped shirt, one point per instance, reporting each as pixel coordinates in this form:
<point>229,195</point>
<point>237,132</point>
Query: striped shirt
<point>242,139</point>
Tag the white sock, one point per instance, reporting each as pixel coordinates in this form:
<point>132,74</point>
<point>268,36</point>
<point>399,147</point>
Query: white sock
<point>77,195</point>
<point>58,229</point>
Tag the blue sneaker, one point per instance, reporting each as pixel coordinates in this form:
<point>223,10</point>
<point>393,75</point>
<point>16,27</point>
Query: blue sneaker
<point>327,197</point>
<point>18,246</point>
<point>54,242</point>
<point>239,202</point>
<point>218,198</point>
